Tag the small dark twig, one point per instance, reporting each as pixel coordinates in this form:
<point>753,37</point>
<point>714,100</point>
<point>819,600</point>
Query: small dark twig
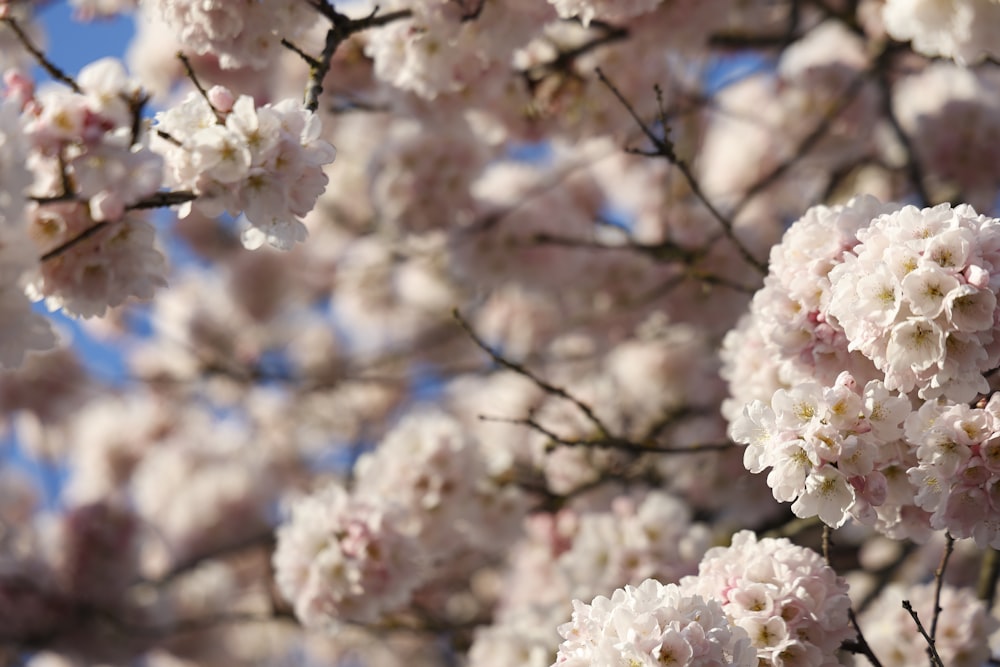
<point>312,62</point>
<point>156,200</point>
<point>665,148</point>
<point>913,168</point>
<point>610,442</point>
<point>860,642</point>
<point>189,70</point>
<point>524,372</point>
<point>949,547</point>
<point>931,650</point>
<point>69,243</point>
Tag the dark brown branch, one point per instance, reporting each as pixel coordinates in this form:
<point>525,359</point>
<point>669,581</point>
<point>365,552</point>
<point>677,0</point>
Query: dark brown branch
<point>913,169</point>
<point>156,200</point>
<point>343,28</point>
<point>804,147</point>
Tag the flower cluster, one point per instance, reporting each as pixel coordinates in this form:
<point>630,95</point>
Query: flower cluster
<point>341,559</point>
<point>917,296</point>
<point>824,445</point>
<point>788,336</point>
<point>266,162</point>
<point>957,476</point>
<point>652,624</point>
<point>961,29</point>
<point>791,603</point>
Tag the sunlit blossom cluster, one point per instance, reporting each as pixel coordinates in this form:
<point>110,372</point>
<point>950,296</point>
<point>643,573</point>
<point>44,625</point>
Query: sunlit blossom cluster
<point>652,624</point>
<point>917,296</point>
<point>824,446</point>
<point>265,162</point>
<point>957,476</point>
<point>789,601</point>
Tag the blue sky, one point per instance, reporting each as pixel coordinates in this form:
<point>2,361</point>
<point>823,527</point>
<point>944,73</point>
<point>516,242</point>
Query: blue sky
<point>71,45</point>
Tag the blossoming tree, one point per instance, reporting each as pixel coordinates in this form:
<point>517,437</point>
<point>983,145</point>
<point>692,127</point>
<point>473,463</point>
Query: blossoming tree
<point>503,332</point>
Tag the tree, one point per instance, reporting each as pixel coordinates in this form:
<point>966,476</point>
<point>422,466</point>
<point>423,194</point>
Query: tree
<point>465,331</point>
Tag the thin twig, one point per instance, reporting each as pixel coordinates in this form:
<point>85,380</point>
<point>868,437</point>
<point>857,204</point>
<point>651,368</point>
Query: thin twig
<point>623,444</point>
<point>524,372</point>
<point>913,169</point>
<point>949,546</point>
<point>931,650</point>
<point>862,644</point>
<point>54,71</point>
<point>156,200</point>
<point>665,149</point>
<point>189,70</point>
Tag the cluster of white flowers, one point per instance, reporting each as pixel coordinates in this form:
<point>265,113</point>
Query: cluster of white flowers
<point>790,602</point>
<point>909,305</point>
<point>652,624</point>
<point>963,629</point>
<point>957,476</point>
<point>240,34</point>
<point>792,337</point>
<point>266,162</point>
<point>917,296</point>
<point>344,559</point>
<point>961,29</point>
<point>824,446</point>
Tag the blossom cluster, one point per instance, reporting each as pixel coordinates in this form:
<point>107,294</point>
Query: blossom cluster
<point>239,34</point>
<point>345,559</point>
<point>957,475</point>
<point>266,162</point>
<point>824,446</point>
<point>907,300</point>
<point>790,602</point>
<point>652,624</point>
<point>769,601</point>
<point>917,296</point>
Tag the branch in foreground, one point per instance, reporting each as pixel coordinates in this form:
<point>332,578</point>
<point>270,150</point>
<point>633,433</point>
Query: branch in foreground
<point>343,28</point>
